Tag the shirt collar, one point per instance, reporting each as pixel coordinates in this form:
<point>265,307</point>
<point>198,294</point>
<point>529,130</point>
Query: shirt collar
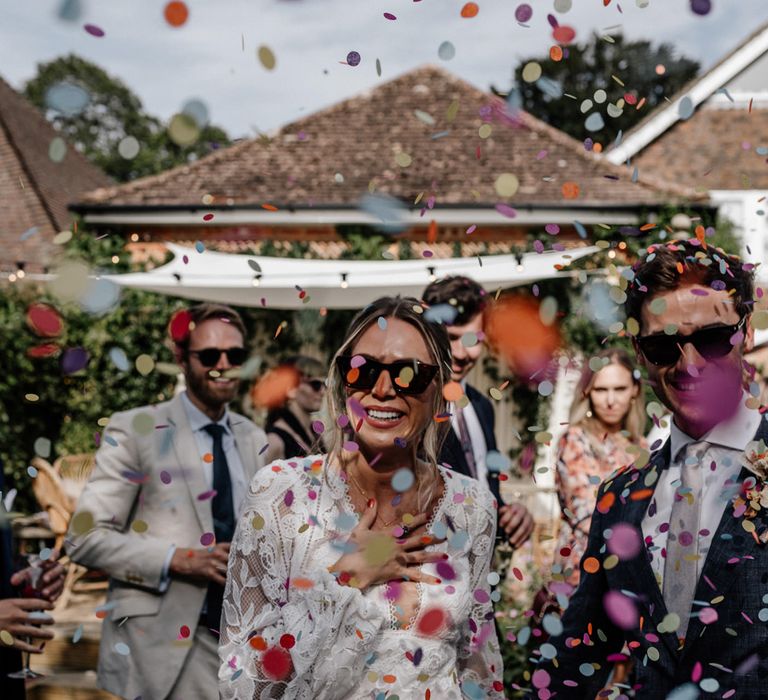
<point>197,419</point>
<point>734,433</point>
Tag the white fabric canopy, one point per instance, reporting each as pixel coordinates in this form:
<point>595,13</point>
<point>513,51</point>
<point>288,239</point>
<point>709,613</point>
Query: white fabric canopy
<point>229,279</point>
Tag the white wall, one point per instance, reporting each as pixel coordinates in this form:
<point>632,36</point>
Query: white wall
<point>744,209</point>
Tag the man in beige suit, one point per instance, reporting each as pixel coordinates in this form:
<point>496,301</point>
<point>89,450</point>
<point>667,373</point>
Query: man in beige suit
<point>158,514</point>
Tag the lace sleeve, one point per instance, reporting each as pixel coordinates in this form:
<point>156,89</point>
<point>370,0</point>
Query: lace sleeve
<point>479,658</point>
<point>287,633</point>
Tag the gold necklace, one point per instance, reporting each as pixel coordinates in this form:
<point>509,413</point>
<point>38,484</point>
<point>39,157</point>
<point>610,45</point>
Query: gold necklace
<point>405,528</point>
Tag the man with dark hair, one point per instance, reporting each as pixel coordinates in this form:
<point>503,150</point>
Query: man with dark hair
<point>676,566</point>
<point>158,514</point>
<point>460,302</point>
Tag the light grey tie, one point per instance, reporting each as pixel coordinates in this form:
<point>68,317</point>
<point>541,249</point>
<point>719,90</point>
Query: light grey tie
<point>682,566</point>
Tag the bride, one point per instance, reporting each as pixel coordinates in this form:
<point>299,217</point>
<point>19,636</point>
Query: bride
<point>364,573</point>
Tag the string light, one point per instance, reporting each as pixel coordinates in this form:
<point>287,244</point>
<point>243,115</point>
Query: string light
<point>20,270</point>
<point>344,283</point>
<point>432,275</point>
<point>519,258</point>
<point>256,279</point>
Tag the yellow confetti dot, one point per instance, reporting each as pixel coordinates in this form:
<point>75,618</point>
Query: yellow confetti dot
<point>144,364</point>
<point>506,185</point>
<point>610,562</point>
<point>82,522</point>
<point>379,550</point>
<point>139,526</point>
<point>6,637</point>
<point>403,160</point>
<point>495,393</point>
<point>62,237</point>
<point>266,57</point>
<point>453,110</point>
<point>485,131</point>
<point>31,397</point>
<point>531,72</point>
<point>257,522</point>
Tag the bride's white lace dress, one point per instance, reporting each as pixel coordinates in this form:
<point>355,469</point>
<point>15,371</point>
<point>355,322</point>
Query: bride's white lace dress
<point>344,643</point>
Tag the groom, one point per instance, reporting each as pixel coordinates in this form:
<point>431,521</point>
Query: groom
<point>676,567</point>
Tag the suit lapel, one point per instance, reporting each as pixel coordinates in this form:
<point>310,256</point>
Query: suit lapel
<point>248,450</point>
<point>453,455</point>
<point>637,573</point>
<point>190,464</point>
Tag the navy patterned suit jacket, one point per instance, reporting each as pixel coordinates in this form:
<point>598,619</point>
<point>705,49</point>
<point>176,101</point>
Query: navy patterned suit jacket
<point>730,653</point>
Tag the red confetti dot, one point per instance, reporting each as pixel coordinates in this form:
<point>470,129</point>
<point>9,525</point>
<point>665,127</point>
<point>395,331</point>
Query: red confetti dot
<point>564,34</point>
<point>208,217</point>
<point>517,573</point>
<point>44,320</point>
<point>431,622</point>
<point>44,350</point>
<point>179,326</point>
<point>287,641</point>
<point>276,663</point>
<point>184,632</point>
<point>176,13</point>
<point>470,10</point>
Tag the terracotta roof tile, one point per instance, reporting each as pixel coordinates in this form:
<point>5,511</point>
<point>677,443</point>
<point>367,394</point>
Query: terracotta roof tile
<point>714,149</point>
<point>35,191</point>
<point>335,156</point>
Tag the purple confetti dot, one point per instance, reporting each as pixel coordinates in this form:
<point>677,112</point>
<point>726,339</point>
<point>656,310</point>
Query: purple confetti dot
<point>552,229</point>
<point>481,596</point>
<point>621,610</point>
<point>73,360</point>
<point>288,498</point>
<point>342,421</point>
<point>506,210</point>
<point>445,571</point>
<point>207,539</point>
<point>685,538</point>
<point>317,427</point>
<point>389,15</point>
<point>165,477</point>
<point>523,13</point>
<point>353,58</point>
<point>350,446</point>
<point>701,7</point>
<point>206,495</point>
<point>93,30</point>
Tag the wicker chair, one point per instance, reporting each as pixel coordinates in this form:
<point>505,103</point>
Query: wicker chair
<point>57,488</point>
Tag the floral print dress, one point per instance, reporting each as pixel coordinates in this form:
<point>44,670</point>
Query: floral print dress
<point>582,464</point>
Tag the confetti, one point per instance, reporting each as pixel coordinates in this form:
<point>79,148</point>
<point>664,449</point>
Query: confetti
<point>446,51</point>
<point>176,13</point>
<point>353,58</point>
<point>266,57</point>
<point>93,30</point>
<point>470,10</point>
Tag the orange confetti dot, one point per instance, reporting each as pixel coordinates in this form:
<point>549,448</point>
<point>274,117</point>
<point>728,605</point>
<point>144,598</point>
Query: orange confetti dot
<point>605,503</point>
<point>101,614</point>
<point>353,375</point>
<point>258,643</point>
<point>591,565</point>
<point>597,148</point>
<point>452,391</point>
<point>641,495</point>
<point>432,232</point>
<point>271,390</point>
<point>389,678</point>
<point>269,207</point>
<point>570,190</point>
<point>207,458</point>
<point>302,583</point>
<point>176,13</point>
<point>470,10</point>
<point>556,53</point>
<point>680,268</point>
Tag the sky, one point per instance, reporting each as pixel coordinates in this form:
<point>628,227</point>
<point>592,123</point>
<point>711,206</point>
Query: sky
<point>213,55</point>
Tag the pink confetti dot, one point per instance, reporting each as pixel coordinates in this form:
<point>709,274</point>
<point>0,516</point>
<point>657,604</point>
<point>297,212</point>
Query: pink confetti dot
<point>351,446</point>
<point>481,596</point>
<point>207,539</point>
<point>342,421</point>
<point>312,495</point>
<point>471,229</point>
<point>506,210</point>
<point>708,616</point>
<point>288,498</point>
<point>621,610</point>
<point>93,30</point>
<point>540,679</point>
<point>317,427</point>
<point>625,541</point>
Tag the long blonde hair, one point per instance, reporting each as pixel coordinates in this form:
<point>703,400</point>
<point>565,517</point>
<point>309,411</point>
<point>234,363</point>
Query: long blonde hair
<point>581,408</point>
<point>436,339</point>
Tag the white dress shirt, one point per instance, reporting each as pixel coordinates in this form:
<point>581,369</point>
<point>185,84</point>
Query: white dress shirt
<point>476,435</point>
<point>722,464</point>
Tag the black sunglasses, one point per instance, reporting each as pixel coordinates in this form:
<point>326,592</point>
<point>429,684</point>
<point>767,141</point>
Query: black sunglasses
<point>209,357</point>
<point>366,375</point>
<point>710,342</point>
<point>315,384</point>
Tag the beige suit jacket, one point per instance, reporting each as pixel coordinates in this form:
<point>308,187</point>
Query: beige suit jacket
<point>143,497</point>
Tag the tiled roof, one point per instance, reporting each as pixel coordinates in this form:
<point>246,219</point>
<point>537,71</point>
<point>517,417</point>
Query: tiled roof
<point>334,157</point>
<point>35,190</point>
<point>714,149</point>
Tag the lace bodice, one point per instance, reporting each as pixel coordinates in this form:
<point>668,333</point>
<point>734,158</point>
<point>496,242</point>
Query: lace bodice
<point>290,630</point>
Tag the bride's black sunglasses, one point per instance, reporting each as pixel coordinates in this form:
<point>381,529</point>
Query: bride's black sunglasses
<point>366,375</point>
<point>711,342</point>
